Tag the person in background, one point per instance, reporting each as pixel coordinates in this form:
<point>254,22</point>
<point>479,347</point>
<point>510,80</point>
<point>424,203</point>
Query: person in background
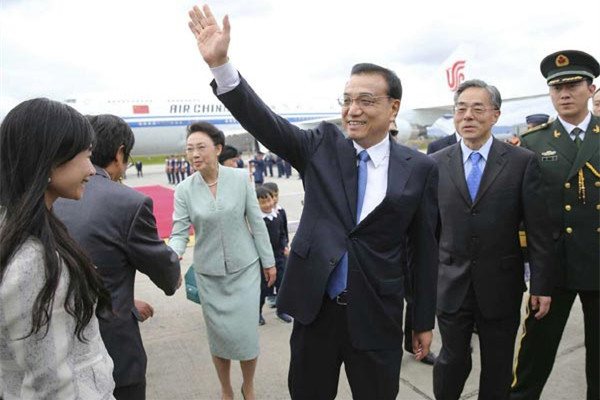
<point>567,150</point>
<point>534,120</point>
<point>257,168</point>
<point>231,250</point>
<point>596,103</point>
<point>280,256</point>
<point>138,168</point>
<point>50,292</point>
<point>276,237</point>
<point>269,160</point>
<point>444,142</point>
<point>280,167</point>
<point>229,157</point>
<point>114,223</point>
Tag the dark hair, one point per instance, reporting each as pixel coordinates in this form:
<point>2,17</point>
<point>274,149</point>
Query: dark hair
<point>262,192</point>
<point>271,187</point>
<point>111,133</point>
<point>227,153</point>
<point>215,135</point>
<point>35,137</point>
<point>495,97</point>
<point>393,82</point>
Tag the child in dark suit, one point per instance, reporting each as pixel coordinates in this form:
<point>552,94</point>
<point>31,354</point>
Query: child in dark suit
<point>280,211</point>
<point>277,236</point>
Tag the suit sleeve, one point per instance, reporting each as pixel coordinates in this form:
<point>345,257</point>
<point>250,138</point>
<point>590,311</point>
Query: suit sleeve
<point>258,227</point>
<point>148,253</point>
<point>276,133</point>
<point>180,230</point>
<point>422,250</point>
<point>542,259</point>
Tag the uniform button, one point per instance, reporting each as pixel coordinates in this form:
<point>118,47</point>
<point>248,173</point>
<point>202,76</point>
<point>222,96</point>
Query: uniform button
<point>567,185</point>
<point>569,230</point>
<point>598,230</point>
<point>332,261</point>
<point>568,207</point>
<point>597,207</point>
<point>474,262</point>
<point>474,212</point>
<point>597,183</point>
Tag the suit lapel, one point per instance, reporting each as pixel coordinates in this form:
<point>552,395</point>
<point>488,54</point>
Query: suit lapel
<point>346,154</point>
<point>562,143</point>
<point>589,147</point>
<point>457,172</point>
<point>494,164</point>
<point>399,170</point>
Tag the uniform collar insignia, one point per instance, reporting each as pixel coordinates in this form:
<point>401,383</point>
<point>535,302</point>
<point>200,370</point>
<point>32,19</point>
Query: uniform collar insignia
<point>596,129</point>
<point>556,134</point>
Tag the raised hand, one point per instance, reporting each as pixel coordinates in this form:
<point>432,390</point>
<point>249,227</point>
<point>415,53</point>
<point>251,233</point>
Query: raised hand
<point>213,42</point>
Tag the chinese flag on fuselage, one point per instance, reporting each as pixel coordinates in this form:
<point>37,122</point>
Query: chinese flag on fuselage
<point>141,109</point>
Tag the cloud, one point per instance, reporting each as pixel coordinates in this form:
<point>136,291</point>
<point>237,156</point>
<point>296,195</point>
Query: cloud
<point>290,51</point>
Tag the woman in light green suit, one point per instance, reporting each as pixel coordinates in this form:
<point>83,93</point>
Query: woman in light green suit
<point>231,244</point>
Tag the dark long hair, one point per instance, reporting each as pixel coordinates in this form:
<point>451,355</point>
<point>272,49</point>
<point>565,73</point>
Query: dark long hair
<point>35,137</point>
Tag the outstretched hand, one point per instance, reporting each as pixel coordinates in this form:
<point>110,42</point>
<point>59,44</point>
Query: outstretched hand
<point>213,42</point>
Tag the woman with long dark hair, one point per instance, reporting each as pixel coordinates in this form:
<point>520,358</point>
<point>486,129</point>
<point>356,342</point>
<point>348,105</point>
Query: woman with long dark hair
<point>50,345</point>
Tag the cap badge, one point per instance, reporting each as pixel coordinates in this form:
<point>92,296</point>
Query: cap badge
<point>561,60</point>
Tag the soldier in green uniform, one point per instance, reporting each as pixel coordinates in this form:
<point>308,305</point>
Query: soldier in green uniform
<point>568,154</point>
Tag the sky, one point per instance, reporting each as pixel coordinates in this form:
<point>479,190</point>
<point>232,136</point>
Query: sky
<point>290,51</point>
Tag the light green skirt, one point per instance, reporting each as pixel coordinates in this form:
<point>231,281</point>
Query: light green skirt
<point>230,306</point>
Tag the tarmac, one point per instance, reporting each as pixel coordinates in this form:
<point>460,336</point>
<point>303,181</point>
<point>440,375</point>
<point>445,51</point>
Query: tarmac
<point>180,365</point>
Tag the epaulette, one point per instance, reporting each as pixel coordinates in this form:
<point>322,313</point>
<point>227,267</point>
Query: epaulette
<point>538,128</point>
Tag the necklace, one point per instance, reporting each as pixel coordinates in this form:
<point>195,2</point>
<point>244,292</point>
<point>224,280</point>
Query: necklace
<point>212,184</point>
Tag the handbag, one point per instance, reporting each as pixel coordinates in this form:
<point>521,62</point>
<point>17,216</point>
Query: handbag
<point>191,287</point>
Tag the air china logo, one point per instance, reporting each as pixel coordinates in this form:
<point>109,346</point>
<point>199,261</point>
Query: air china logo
<point>455,76</point>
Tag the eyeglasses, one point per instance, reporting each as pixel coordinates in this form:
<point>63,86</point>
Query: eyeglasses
<point>199,149</point>
<point>477,109</point>
<point>362,101</point>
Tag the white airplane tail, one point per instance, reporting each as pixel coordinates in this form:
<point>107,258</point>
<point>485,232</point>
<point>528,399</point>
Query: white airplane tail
<point>455,69</point>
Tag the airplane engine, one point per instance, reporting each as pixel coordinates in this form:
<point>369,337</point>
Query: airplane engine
<point>405,130</point>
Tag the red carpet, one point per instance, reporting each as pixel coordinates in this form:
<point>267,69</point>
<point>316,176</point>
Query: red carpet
<point>163,207</point>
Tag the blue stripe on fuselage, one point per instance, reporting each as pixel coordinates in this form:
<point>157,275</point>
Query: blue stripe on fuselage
<point>147,122</point>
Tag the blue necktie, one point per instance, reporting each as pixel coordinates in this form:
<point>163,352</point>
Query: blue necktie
<point>474,177</point>
<point>339,276</point>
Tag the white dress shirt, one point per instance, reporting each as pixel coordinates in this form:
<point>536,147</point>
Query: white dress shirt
<point>583,125</point>
<point>377,174</point>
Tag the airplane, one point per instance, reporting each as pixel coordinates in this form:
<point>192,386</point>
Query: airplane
<point>159,124</point>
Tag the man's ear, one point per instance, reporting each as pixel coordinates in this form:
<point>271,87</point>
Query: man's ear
<point>120,156</point>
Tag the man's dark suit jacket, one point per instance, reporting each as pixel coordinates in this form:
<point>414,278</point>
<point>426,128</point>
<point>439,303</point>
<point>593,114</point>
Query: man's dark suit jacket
<point>115,224</point>
<point>439,144</point>
<point>327,163</point>
<point>479,241</point>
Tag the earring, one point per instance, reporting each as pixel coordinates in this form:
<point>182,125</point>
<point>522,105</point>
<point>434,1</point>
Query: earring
<point>49,179</point>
